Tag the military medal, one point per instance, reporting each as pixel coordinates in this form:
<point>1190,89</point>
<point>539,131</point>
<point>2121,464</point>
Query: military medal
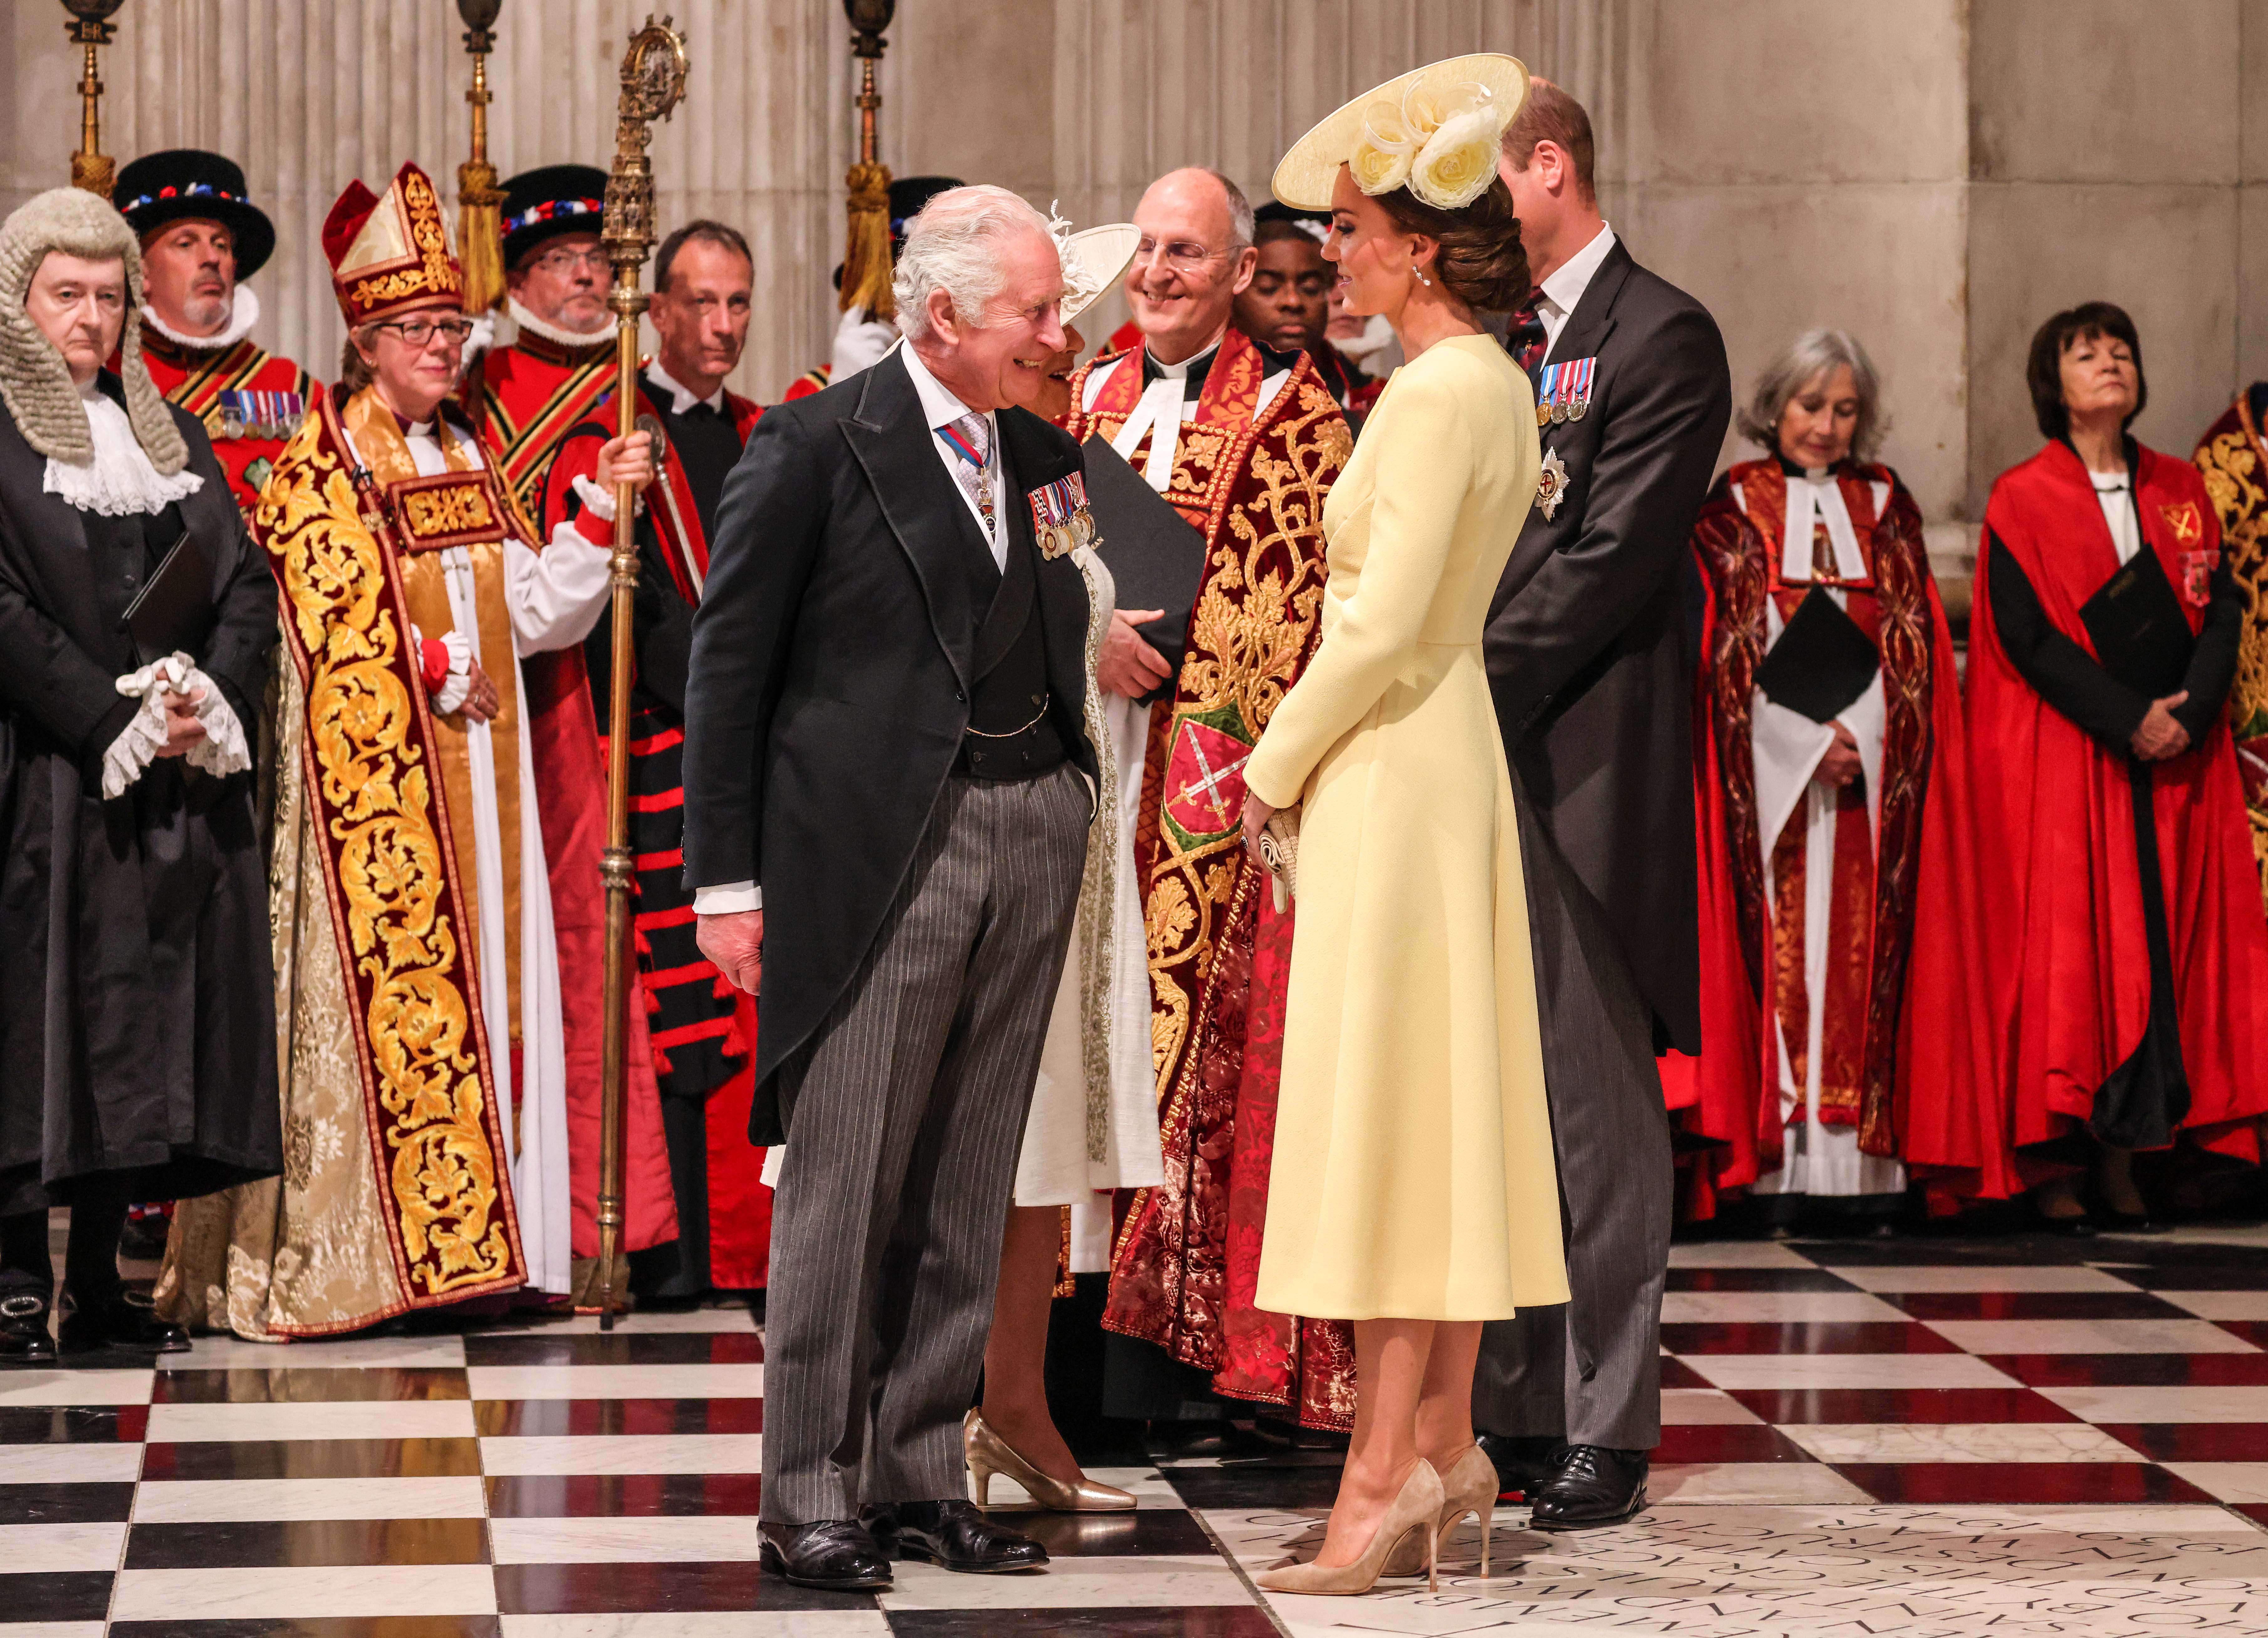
<point>1061,520</point>
<point>1547,384</point>
<point>1551,484</point>
<point>1574,385</point>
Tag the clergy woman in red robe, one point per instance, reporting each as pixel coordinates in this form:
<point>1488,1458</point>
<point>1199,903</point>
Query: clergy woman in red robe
<point>2130,984</point>
<point>1843,1023</point>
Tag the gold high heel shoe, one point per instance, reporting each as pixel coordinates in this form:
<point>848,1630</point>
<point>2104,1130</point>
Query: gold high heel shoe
<point>989,1454</point>
<point>1470,1486</point>
<point>1416,1511</point>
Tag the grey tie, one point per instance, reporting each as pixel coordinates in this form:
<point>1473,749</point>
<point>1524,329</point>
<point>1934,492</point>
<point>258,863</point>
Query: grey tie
<point>977,436</point>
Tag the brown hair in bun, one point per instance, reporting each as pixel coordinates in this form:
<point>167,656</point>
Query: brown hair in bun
<point>1481,261</point>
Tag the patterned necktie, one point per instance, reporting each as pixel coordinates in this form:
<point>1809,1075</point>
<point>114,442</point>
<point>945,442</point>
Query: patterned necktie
<point>1524,340</point>
<point>972,441</point>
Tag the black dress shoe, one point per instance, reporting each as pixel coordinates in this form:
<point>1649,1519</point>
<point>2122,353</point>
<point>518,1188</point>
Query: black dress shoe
<point>1594,1486</point>
<point>1524,1462</point>
<point>24,1339</point>
<point>123,1319</point>
<point>953,1535</point>
<point>834,1554</point>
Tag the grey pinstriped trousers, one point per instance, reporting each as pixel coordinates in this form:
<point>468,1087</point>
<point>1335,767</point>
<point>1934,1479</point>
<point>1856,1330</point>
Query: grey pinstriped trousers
<point>907,1113</point>
<point>1589,1372</point>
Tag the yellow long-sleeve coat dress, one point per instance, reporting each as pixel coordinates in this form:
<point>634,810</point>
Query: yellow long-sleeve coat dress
<point>1413,1175</point>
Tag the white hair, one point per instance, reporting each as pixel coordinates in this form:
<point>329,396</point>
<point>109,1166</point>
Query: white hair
<point>953,246</point>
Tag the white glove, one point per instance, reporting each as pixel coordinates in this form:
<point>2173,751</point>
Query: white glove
<point>859,344</point>
<point>220,753</point>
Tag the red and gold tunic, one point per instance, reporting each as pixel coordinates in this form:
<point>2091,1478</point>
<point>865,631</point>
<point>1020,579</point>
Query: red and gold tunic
<point>1252,477</point>
<point>2233,460</point>
<point>525,398</point>
<point>251,402</point>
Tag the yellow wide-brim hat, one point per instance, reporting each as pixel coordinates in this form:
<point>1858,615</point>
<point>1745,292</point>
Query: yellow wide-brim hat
<point>1392,128</point>
<point>1093,259</point>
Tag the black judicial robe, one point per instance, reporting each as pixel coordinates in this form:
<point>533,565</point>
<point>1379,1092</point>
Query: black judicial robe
<point>137,1023</point>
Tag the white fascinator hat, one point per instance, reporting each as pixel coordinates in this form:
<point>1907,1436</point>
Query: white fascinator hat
<point>1436,129</point>
<point>1092,259</point>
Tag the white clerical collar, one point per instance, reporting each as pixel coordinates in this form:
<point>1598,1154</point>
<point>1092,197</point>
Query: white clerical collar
<point>939,404</point>
<point>2106,481</point>
<point>1201,360</point>
<point>681,396</point>
<point>1568,281</point>
<point>244,312</point>
<point>553,333</point>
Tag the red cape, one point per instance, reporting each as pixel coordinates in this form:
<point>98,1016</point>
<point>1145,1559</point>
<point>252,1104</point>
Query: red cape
<point>2070,984</point>
<point>1932,1090</point>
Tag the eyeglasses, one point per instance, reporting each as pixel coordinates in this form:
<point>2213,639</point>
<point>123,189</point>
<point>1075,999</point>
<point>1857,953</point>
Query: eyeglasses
<point>1180,254</point>
<point>417,332</point>
<point>593,259</point>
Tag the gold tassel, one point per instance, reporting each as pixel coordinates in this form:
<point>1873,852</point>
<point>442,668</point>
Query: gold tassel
<point>480,234</point>
<point>866,256</point>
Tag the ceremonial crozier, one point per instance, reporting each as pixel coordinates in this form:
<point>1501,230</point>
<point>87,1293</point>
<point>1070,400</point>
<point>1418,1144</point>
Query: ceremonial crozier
<point>1251,474</point>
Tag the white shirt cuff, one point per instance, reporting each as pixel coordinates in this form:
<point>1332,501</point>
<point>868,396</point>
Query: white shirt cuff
<point>457,687</point>
<point>600,502</point>
<point>222,752</point>
<point>734,899</point>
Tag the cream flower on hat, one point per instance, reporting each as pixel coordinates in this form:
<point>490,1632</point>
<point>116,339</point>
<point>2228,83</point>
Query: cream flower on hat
<point>1435,130</point>
<point>1092,259</point>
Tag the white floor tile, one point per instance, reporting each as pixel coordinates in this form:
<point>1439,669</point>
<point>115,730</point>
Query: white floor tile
<point>55,1548</point>
<point>2218,1304</point>
<point>1734,1307</point>
<point>314,1418</point>
<point>52,1629</point>
<point>2163,1404</point>
<point>685,1623</point>
<point>235,1353</point>
<point>1960,1441</point>
<point>1930,1277</point>
<point>70,1463</point>
<point>301,1592</point>
<point>1688,1406</point>
<point>1070,1583</point>
<point>703,1319</point>
<point>2227,1481</point>
<point>624,1453</point>
<point>77,1387</point>
<point>1755,1483</point>
<point>1847,1370</point>
<point>659,1540</point>
<point>2090,1336</point>
<point>1737,1254</point>
<point>615,1382</point>
<point>190,1501</point>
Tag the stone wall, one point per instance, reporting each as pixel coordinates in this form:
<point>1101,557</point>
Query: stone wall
<point>1935,175</point>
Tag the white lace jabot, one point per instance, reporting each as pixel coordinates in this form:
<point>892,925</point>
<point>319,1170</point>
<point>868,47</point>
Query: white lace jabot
<point>119,482</point>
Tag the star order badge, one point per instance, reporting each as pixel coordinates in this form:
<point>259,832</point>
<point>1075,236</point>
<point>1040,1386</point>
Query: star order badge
<point>1551,484</point>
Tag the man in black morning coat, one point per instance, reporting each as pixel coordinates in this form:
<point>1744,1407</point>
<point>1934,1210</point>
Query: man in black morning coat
<point>888,788</point>
<point>1587,655</point>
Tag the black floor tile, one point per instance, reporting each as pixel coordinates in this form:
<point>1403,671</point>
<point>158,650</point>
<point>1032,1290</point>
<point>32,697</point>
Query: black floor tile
<point>2033,1305</point>
<point>495,1417</point>
<point>1147,1532</point>
<point>66,1504</point>
<point>62,1596</point>
<point>312,1459</point>
<point>625,1495</point>
<point>1755,1280</point>
<point>1242,1486</point>
<point>601,1589</point>
<point>73,1424</point>
<point>292,1385</point>
<point>1204,1621</point>
<point>249,1544</point>
<point>322,1627</point>
<point>658,1347</point>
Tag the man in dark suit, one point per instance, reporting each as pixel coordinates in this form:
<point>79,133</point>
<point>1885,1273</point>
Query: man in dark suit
<point>1587,656</point>
<point>886,772</point>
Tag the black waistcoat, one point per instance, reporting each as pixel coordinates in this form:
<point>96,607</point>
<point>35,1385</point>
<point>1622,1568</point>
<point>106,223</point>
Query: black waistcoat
<point>1011,733</point>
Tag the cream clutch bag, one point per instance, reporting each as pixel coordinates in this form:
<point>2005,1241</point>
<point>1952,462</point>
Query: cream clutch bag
<point>1279,851</point>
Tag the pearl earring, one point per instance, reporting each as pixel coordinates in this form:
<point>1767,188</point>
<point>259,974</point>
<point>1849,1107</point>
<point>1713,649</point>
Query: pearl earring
<point>1420,272</point>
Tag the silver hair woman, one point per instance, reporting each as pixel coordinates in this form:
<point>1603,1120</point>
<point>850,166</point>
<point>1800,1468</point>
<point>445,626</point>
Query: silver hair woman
<point>1808,368</point>
<point>953,246</point>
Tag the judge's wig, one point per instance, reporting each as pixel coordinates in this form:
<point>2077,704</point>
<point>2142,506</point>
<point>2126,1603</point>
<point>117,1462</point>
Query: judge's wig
<point>1810,356</point>
<point>35,381</point>
<point>2043,370</point>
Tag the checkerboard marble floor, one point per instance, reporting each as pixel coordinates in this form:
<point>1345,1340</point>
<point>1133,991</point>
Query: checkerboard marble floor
<point>2023,1438</point>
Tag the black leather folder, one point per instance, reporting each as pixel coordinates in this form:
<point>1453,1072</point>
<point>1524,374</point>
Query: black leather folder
<point>1153,553</point>
<point>173,612</point>
<point>1822,662</point>
<point>2141,635</point>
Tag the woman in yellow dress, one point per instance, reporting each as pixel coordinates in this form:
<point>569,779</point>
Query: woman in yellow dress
<point>1412,1189</point>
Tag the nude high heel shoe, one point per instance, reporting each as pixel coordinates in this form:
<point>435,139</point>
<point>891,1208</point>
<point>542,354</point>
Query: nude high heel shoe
<point>1416,1511</point>
<point>989,1454</point>
<point>1470,1486</point>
